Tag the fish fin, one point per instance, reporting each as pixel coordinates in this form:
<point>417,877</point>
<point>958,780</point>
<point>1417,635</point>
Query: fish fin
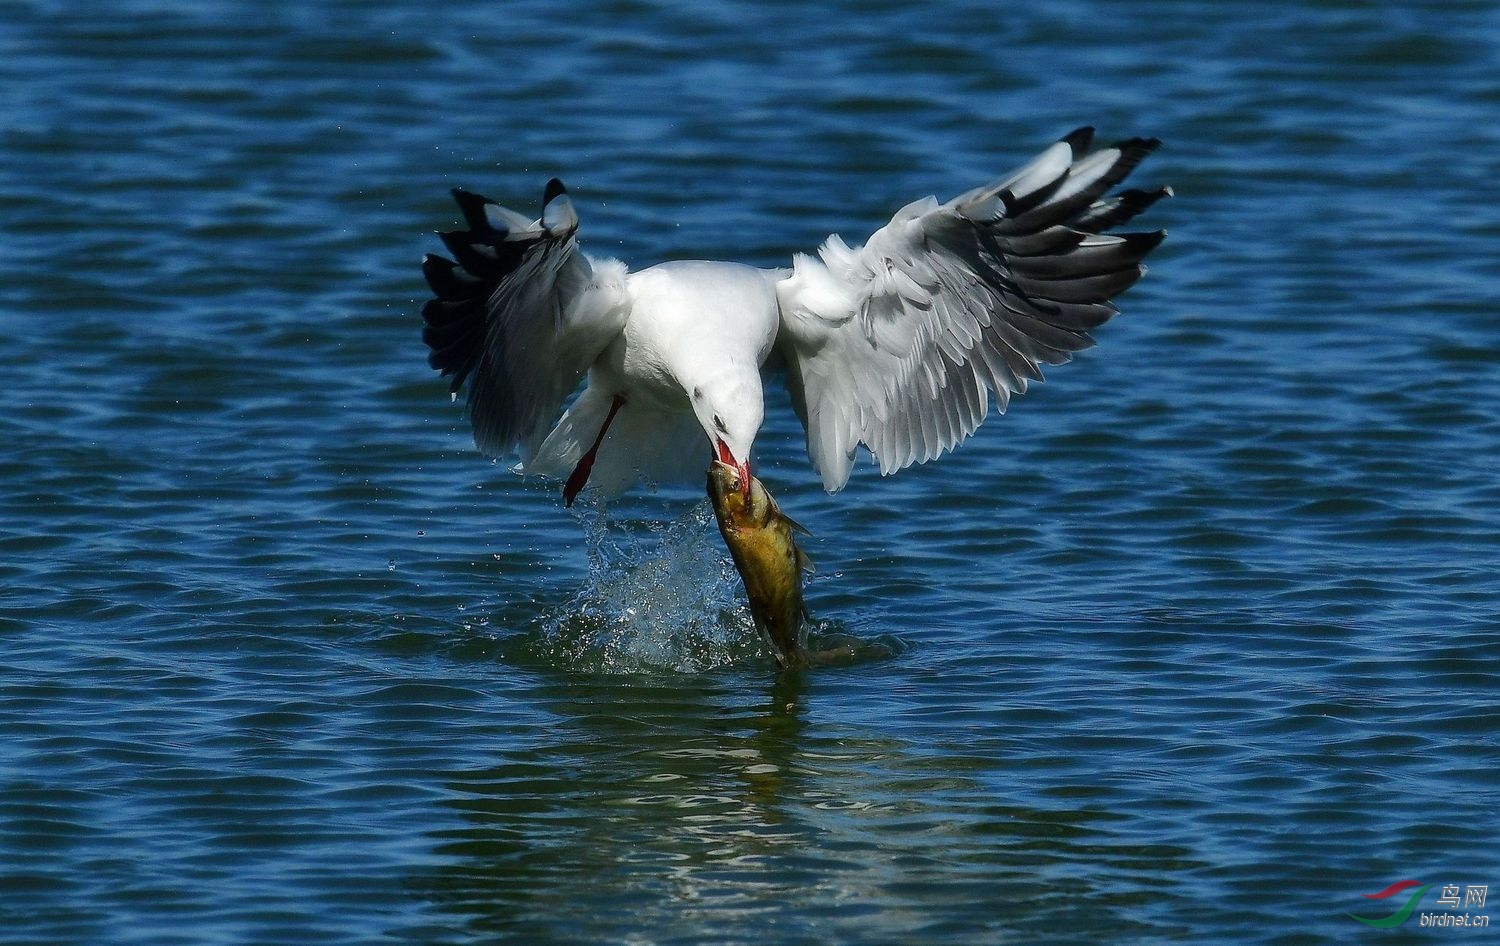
<point>804,563</point>
<point>796,526</point>
<point>777,513</point>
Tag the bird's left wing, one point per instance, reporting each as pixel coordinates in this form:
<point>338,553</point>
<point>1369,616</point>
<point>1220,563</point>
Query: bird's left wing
<point>899,343</point>
<point>520,314</point>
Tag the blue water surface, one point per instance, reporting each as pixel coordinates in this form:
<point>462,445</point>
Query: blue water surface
<point>1198,643</point>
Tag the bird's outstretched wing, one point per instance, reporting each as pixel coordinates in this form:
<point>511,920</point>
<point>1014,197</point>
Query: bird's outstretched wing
<point>520,314</point>
<point>898,344</point>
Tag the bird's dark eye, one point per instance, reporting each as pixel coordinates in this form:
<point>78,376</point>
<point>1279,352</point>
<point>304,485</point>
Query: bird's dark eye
<point>719,423</point>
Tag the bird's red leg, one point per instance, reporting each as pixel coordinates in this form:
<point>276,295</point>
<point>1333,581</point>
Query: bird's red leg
<point>580,474</point>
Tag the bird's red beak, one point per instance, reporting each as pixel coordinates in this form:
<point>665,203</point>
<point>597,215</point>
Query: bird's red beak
<point>722,454</point>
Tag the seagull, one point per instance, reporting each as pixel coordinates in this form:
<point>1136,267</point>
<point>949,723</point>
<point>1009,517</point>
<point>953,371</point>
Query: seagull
<point>897,345</point>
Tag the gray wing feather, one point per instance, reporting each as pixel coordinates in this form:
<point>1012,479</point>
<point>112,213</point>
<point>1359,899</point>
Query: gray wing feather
<point>898,344</point>
<point>519,316</point>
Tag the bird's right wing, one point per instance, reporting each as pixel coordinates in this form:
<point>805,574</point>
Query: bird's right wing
<point>520,315</point>
<point>899,344</point>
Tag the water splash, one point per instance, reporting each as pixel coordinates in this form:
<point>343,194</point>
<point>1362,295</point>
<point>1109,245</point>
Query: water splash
<point>658,595</point>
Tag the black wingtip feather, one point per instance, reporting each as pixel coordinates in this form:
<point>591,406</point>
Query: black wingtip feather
<point>449,280</point>
<point>478,258</point>
<point>485,255</point>
<point>445,312</point>
<point>1118,209</point>
<point>554,188</point>
<point>1144,242</point>
<point>442,338</point>
<point>1036,216</point>
<point>472,207</point>
<point>1079,139</point>
<point>1084,260</point>
<point>1096,288</point>
<point>1132,152</point>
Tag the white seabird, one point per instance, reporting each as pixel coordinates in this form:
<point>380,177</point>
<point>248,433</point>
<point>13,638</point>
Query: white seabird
<point>896,345</point>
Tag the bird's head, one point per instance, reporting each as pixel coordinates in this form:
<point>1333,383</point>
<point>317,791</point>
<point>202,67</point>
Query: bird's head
<point>730,410</point>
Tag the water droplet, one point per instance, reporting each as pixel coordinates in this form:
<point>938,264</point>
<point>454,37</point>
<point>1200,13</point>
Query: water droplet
<point>657,595</point>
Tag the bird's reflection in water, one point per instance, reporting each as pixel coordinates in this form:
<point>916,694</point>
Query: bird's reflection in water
<point>647,791</point>
<point>774,737</point>
<point>700,804</point>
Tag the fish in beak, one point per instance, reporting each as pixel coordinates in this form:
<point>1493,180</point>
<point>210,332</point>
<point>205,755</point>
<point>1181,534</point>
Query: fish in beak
<point>761,540</point>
